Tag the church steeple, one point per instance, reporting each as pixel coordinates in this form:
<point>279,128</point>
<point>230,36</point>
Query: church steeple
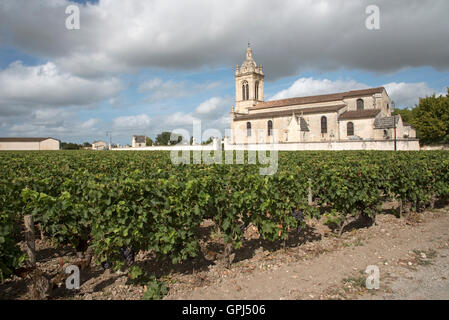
<point>249,84</point>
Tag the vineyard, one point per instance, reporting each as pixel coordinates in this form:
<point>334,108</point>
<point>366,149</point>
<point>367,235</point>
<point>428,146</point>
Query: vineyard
<point>117,204</point>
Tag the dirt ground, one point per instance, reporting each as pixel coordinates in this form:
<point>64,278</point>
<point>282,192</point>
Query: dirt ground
<point>412,255</point>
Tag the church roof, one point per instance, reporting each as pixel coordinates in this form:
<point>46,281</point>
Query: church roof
<point>359,114</point>
<point>24,139</point>
<point>385,122</point>
<point>139,139</point>
<point>317,99</point>
<point>284,113</point>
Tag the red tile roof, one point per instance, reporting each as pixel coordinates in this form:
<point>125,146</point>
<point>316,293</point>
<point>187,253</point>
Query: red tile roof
<point>360,114</point>
<point>317,99</point>
<point>285,113</point>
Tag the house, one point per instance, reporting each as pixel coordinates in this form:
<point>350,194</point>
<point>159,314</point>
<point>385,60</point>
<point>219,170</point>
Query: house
<point>23,143</point>
<point>99,145</point>
<point>358,115</point>
<point>139,141</point>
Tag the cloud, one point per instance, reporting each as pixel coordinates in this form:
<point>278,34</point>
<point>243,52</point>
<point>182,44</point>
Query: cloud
<point>141,121</point>
<point>163,90</point>
<point>91,123</point>
<point>403,94</point>
<point>59,123</point>
<point>408,94</point>
<point>169,89</point>
<point>118,36</point>
<point>25,87</point>
<point>210,106</point>
<point>310,86</point>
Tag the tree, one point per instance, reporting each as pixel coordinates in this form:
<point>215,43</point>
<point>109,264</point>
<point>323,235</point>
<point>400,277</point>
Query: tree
<point>70,146</point>
<point>163,139</point>
<point>406,114</point>
<point>431,119</point>
<point>87,145</point>
<point>149,142</point>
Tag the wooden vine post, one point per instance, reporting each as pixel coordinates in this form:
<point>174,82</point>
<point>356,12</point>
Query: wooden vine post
<point>310,196</point>
<point>30,239</point>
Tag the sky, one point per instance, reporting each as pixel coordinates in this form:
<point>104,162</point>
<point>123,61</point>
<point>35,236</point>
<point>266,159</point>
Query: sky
<point>143,67</point>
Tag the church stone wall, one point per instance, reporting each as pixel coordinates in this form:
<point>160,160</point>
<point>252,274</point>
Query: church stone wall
<point>363,128</point>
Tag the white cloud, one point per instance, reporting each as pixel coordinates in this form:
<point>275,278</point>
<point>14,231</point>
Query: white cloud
<point>310,86</point>
<point>45,85</point>
<point>404,94</point>
<point>141,121</point>
<point>408,94</point>
<point>210,105</point>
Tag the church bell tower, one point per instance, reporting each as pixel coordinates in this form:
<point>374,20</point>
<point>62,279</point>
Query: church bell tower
<point>249,79</point>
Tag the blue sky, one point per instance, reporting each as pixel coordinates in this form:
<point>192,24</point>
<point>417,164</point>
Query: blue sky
<point>143,67</point>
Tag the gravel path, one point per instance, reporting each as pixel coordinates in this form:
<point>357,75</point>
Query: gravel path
<point>428,282</point>
<point>397,246</point>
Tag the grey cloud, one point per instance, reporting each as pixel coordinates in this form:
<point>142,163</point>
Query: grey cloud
<point>287,37</point>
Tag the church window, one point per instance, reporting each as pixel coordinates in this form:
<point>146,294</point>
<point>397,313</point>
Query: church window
<point>350,129</point>
<point>245,91</point>
<point>256,90</point>
<point>323,124</point>
<point>360,104</point>
<point>248,129</point>
<point>270,127</point>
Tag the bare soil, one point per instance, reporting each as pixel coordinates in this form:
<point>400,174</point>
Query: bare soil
<point>412,254</point>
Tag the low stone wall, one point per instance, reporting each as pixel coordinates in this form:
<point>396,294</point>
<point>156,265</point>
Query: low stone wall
<point>170,148</point>
<point>385,145</point>
<point>436,147</point>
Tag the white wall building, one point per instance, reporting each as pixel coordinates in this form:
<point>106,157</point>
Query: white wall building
<point>30,143</point>
<point>99,145</point>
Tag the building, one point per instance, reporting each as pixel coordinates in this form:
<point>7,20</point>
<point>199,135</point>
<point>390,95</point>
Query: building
<point>22,143</point>
<point>359,115</point>
<point>99,145</point>
<point>139,141</point>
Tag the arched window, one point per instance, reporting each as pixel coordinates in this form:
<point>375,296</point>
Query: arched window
<point>248,129</point>
<point>323,124</point>
<point>270,127</point>
<point>256,91</point>
<point>350,129</point>
<point>360,104</point>
<point>245,90</point>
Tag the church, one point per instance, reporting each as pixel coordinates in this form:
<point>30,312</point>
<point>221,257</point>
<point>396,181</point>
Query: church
<point>339,118</point>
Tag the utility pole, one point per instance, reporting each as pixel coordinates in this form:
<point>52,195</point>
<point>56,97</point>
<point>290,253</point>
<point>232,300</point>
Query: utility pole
<point>394,125</point>
<point>110,139</point>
